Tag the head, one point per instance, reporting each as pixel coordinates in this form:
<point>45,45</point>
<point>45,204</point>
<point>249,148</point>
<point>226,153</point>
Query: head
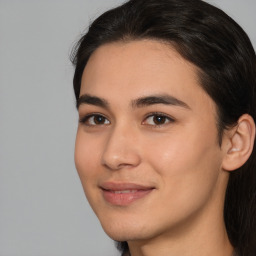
<point>216,56</point>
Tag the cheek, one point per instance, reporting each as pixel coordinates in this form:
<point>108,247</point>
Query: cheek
<point>188,170</point>
<point>87,160</point>
<point>87,156</point>
<point>187,159</point>
<point>192,143</point>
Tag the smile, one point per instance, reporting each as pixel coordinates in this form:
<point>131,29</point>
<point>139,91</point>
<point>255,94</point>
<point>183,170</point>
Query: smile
<point>123,194</point>
<point>124,191</point>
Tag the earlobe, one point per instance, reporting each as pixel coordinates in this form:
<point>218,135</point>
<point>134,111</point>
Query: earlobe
<point>240,143</point>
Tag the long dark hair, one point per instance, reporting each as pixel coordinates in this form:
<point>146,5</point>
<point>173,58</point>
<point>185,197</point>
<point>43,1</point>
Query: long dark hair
<point>207,37</point>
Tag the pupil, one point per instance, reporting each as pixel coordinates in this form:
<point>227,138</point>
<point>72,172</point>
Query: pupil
<point>99,119</point>
<point>159,119</point>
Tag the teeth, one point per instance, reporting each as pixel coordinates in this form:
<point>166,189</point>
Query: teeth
<point>124,191</point>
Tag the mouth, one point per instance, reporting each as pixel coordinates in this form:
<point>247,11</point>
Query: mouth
<point>123,194</point>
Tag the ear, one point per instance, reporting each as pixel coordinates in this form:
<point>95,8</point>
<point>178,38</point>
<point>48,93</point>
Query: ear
<point>238,143</point>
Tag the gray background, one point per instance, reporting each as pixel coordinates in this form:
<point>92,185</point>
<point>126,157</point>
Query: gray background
<point>43,211</point>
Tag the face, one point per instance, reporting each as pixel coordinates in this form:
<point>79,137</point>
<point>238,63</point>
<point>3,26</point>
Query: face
<point>147,149</point>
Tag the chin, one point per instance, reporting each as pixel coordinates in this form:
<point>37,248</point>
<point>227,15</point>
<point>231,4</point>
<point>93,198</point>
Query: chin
<point>123,235</point>
<point>119,230</point>
<point>128,231</point>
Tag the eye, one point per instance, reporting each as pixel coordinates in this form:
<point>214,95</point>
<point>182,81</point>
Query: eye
<point>93,120</point>
<point>158,119</point>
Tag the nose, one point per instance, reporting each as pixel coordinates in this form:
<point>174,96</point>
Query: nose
<point>121,149</point>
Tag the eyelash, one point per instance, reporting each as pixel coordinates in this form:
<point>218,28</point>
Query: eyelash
<point>84,120</point>
<point>167,119</point>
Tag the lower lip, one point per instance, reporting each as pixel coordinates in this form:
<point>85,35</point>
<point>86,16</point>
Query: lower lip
<point>123,199</point>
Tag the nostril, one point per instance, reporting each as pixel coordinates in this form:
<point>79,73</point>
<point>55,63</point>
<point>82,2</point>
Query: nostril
<point>120,159</point>
<point>119,163</point>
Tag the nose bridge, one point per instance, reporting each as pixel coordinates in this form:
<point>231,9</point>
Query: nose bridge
<point>121,148</point>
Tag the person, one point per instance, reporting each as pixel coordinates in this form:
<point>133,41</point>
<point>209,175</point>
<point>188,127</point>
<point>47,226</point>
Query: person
<point>165,146</point>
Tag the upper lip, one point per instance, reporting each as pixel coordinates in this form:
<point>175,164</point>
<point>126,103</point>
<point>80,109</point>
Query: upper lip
<point>118,186</point>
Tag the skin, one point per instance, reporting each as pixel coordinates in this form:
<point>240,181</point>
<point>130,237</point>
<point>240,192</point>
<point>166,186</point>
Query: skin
<point>179,156</point>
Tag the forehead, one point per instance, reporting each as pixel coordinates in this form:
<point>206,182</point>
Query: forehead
<point>128,70</point>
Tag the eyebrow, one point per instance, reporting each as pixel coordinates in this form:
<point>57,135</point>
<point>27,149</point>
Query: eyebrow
<point>91,100</point>
<point>165,99</point>
<point>159,99</point>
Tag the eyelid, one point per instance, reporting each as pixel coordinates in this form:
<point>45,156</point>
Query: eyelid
<point>152,114</point>
<point>86,117</point>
